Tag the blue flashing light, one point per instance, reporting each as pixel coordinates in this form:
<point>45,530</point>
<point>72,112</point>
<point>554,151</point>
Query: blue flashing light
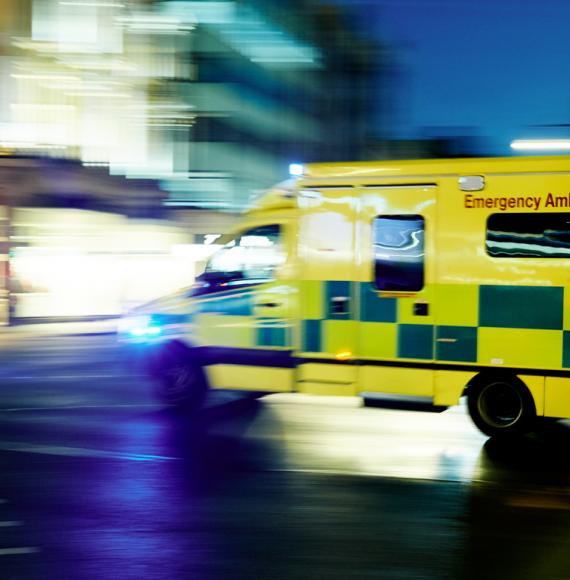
<point>296,169</point>
<point>140,331</point>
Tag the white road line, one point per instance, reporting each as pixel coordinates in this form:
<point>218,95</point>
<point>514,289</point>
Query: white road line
<point>3,500</point>
<point>10,524</point>
<point>425,477</point>
<point>80,452</point>
<point>68,407</point>
<point>17,551</point>
<point>66,377</point>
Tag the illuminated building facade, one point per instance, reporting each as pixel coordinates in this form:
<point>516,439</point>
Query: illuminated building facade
<point>275,83</point>
<point>211,100</point>
<point>214,99</point>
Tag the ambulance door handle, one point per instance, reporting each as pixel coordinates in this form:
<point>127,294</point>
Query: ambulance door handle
<point>339,304</point>
<point>421,309</point>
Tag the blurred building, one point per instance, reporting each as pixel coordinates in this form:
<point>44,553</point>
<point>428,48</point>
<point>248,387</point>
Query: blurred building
<point>213,99</point>
<point>274,83</point>
<point>185,106</point>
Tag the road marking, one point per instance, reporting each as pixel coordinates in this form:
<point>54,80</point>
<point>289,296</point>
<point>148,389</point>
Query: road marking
<point>80,452</point>
<point>3,500</point>
<point>75,407</point>
<point>10,524</point>
<point>17,551</point>
<point>382,474</point>
<point>66,377</point>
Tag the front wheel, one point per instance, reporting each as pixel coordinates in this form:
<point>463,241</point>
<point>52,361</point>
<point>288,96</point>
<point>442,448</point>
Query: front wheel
<point>181,383</point>
<point>501,406</point>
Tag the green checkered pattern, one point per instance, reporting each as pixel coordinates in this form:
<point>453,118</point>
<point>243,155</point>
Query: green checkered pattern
<point>521,326</point>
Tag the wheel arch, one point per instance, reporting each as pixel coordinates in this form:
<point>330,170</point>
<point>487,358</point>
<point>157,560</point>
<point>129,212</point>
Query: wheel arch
<point>169,349</point>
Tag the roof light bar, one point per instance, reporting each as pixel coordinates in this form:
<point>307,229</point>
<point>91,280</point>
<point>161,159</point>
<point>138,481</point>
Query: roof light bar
<point>296,169</point>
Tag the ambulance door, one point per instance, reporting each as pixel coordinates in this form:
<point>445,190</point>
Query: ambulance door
<point>244,315</point>
<point>326,346</point>
<point>396,293</point>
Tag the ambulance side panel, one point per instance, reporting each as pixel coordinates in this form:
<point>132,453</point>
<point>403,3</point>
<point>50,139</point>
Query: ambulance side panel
<point>499,309</point>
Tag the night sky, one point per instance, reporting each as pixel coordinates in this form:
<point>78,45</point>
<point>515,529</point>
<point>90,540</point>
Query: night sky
<point>489,68</point>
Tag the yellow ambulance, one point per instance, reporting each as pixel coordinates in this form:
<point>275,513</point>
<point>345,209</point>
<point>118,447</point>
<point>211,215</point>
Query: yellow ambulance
<point>413,282</point>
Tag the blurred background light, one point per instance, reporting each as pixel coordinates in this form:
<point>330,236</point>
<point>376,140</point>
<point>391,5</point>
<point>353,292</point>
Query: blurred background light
<point>92,4</point>
<point>541,145</point>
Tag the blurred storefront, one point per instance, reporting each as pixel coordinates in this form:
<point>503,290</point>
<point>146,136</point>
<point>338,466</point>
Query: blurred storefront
<point>76,263</point>
<point>80,243</point>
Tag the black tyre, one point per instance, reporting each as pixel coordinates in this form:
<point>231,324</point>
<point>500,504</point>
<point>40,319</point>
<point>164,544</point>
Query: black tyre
<point>181,382</point>
<point>501,406</point>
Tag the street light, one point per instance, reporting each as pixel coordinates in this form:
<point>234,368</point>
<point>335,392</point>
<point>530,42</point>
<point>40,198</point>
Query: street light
<point>541,144</point>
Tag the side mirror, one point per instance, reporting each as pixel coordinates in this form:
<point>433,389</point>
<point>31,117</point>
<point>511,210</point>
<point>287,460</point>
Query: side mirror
<point>220,277</point>
<point>210,281</point>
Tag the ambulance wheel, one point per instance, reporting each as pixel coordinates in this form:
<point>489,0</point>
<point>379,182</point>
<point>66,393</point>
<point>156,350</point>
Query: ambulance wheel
<point>501,406</point>
<point>181,383</point>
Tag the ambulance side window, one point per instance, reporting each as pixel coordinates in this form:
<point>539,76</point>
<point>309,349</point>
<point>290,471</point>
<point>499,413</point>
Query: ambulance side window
<point>528,235</point>
<point>263,252</point>
<point>250,258</point>
<point>398,244</point>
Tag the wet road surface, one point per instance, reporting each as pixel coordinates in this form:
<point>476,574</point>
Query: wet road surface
<point>97,481</point>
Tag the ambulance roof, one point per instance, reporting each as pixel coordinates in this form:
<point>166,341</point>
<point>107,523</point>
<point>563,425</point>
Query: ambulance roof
<point>421,167</point>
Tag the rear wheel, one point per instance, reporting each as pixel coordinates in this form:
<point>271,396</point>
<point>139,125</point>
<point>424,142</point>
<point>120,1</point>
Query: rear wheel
<point>501,406</point>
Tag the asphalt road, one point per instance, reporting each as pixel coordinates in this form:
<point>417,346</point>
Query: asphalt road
<point>97,482</point>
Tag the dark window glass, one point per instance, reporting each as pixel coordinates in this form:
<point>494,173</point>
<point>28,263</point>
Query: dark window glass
<point>248,259</point>
<point>399,252</point>
<point>528,235</point>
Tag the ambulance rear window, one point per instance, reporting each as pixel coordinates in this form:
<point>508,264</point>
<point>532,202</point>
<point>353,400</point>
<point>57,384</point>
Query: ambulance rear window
<point>398,252</point>
<point>528,235</point>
